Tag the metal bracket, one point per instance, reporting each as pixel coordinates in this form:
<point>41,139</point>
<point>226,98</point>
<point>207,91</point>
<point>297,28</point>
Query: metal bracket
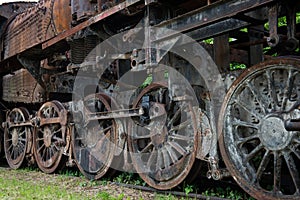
<point>214,171</point>
<point>292,43</point>
<point>33,66</point>
<point>273,38</point>
<point>148,2</point>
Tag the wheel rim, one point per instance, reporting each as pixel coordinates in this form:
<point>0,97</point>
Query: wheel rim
<point>16,137</point>
<point>163,144</point>
<point>50,136</point>
<point>94,141</point>
<point>261,154</point>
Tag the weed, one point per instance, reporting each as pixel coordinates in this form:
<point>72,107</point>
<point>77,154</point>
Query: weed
<point>104,196</point>
<point>129,178</point>
<point>188,189</point>
<point>164,197</point>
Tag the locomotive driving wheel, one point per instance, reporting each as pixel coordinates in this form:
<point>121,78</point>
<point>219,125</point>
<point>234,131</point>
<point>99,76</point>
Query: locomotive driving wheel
<point>163,140</point>
<point>49,139</point>
<point>17,137</point>
<point>94,140</point>
<point>259,143</point>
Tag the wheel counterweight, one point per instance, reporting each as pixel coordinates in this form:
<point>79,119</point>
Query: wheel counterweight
<point>261,154</point>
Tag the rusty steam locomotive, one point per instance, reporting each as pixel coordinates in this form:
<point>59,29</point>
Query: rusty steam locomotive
<point>129,85</point>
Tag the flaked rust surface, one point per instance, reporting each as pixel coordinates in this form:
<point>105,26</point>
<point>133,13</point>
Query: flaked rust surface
<point>35,25</point>
<point>22,87</point>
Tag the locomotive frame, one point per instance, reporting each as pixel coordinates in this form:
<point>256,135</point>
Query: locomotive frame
<point>63,90</point>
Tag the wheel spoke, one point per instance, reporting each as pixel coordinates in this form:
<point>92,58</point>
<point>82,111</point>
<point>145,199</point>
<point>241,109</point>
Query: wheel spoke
<point>250,111</point>
<point>293,171</point>
<point>15,152</point>
<point>272,89</point>
<point>178,148</point>
<point>22,146</point>
<point>104,131</point>
<point>50,152</point>
<point>174,117</point>
<point>172,154</point>
<point>237,122</point>
<point>147,148</point>
<point>262,166</point>
<point>292,149</point>
<point>40,148</point>
<point>159,162</point>
<point>254,152</point>
<point>22,133</point>
<point>151,159</point>
<point>141,137</point>
<point>242,141</point>
<point>55,132</point>
<point>260,99</point>
<point>277,173</point>
<point>18,117</point>
<point>180,126</point>
<point>10,146</point>
<point>297,140</point>
<point>180,137</point>
<point>44,153</point>
<point>166,158</point>
<point>288,89</point>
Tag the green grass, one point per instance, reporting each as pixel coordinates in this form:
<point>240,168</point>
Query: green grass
<point>31,184</point>
<point>18,189</point>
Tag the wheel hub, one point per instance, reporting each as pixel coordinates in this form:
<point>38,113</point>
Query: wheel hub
<point>15,137</point>
<point>273,133</point>
<point>160,138</point>
<point>47,136</point>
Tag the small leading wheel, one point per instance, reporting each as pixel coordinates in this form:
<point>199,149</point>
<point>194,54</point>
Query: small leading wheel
<point>163,140</point>
<point>259,144</point>
<point>49,139</point>
<point>16,137</point>
<point>94,139</point>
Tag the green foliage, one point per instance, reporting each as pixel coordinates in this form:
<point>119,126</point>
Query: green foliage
<point>244,30</point>
<point>147,82</point>
<point>209,41</point>
<point>30,169</point>
<point>104,182</point>
<point>236,66</point>
<point>189,189</point>
<point>226,193</point>
<point>107,196</point>
<point>70,172</point>
<point>164,197</point>
<point>129,178</point>
<point>104,196</point>
<point>282,21</point>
